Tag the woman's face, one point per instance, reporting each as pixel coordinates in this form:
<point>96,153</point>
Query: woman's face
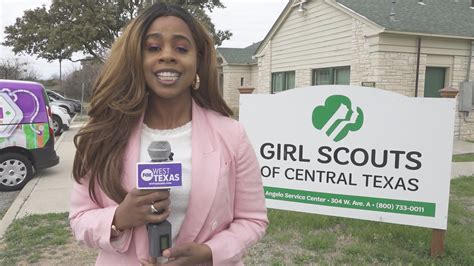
<point>169,58</point>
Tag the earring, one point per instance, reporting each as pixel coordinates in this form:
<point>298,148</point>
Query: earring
<point>196,82</point>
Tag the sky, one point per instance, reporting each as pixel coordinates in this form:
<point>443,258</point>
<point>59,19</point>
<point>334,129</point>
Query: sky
<point>248,20</point>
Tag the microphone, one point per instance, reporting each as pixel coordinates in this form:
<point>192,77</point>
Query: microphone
<point>159,234</point>
<point>160,151</point>
<point>161,173</point>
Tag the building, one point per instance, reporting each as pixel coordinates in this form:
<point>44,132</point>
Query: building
<point>411,47</point>
<point>237,70</point>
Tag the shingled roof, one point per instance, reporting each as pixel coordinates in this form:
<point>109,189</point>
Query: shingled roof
<point>239,56</point>
<point>439,17</point>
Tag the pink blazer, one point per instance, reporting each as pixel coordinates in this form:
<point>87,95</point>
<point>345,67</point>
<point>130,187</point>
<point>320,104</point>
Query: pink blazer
<point>226,208</point>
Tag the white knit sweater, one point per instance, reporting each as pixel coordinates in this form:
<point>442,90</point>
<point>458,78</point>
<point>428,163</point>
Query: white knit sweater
<point>180,141</point>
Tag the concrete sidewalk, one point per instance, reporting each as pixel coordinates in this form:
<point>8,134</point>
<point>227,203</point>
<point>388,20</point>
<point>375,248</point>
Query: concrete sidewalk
<point>50,190</point>
<point>462,169</point>
<point>460,147</point>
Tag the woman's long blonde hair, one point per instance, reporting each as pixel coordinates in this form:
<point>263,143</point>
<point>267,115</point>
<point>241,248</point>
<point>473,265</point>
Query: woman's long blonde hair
<point>120,97</point>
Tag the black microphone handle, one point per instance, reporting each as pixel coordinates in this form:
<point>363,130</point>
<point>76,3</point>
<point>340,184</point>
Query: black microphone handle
<point>159,234</point>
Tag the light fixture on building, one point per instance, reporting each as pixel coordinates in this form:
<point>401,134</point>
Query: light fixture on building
<point>300,4</point>
<point>301,9</point>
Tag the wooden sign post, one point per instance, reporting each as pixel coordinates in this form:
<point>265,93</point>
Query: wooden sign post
<point>437,238</point>
<point>437,242</point>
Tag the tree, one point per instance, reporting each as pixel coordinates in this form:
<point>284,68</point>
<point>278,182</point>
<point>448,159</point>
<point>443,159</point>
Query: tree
<point>40,33</point>
<point>86,75</point>
<point>88,26</point>
<point>17,70</point>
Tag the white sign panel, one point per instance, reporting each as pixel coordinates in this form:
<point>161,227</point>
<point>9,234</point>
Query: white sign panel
<point>354,152</point>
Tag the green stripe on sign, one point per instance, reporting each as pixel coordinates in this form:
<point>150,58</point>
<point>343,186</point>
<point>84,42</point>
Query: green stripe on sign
<point>352,202</point>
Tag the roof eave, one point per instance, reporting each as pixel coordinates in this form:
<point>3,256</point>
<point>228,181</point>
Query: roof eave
<point>429,34</point>
<point>249,64</point>
<point>274,28</point>
<point>222,56</point>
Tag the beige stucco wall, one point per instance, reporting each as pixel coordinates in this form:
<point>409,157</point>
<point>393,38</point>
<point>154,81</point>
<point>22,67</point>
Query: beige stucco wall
<point>464,123</point>
<point>392,70</point>
<point>264,71</point>
<point>389,60</point>
<point>232,81</point>
<point>254,76</point>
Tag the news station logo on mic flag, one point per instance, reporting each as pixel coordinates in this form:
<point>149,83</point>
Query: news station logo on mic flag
<point>159,175</point>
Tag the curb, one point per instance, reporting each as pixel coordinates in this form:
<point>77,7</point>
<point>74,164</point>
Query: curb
<point>24,195</point>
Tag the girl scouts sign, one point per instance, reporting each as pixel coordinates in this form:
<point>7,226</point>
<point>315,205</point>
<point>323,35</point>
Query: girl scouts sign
<point>354,152</point>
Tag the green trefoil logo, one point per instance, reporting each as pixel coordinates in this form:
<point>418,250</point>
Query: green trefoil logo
<point>336,118</point>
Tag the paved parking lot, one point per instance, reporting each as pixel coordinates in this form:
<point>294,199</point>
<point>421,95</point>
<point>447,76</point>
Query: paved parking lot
<point>6,199</point>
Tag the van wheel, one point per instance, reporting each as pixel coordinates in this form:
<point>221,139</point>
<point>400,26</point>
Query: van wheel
<point>15,171</point>
<point>57,125</point>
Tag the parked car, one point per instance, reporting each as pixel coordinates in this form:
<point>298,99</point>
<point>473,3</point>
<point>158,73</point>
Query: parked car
<point>26,133</point>
<point>61,118</point>
<point>64,104</point>
<point>58,97</point>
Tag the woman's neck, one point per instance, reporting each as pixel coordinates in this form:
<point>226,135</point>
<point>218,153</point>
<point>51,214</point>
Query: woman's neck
<point>168,113</point>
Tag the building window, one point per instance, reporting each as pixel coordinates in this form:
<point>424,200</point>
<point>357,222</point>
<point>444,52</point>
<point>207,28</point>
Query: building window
<point>332,75</point>
<point>282,81</point>
<point>241,82</point>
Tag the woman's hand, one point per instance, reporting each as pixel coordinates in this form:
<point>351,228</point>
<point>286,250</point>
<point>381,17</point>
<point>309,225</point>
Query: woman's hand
<point>135,209</point>
<point>187,254</point>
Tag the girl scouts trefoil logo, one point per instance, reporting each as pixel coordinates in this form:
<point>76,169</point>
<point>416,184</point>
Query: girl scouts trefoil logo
<point>337,117</point>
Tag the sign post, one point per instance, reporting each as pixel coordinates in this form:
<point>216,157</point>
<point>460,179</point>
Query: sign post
<point>438,235</point>
<point>437,242</point>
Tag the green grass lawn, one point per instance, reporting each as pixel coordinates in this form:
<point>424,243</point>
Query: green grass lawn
<point>299,238</point>
<point>32,235</point>
<point>466,157</point>
<point>292,239</point>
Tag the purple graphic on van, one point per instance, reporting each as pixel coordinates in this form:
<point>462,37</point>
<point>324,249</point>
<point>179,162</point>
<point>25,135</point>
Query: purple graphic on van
<point>24,118</point>
<point>30,102</point>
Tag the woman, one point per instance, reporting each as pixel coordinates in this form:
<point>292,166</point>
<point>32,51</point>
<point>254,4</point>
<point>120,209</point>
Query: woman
<point>160,83</point>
